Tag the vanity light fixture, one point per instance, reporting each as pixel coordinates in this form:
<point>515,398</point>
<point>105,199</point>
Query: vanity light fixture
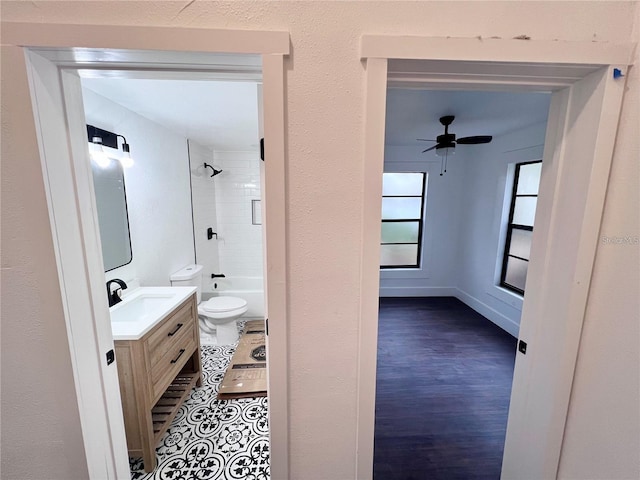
<point>102,138</point>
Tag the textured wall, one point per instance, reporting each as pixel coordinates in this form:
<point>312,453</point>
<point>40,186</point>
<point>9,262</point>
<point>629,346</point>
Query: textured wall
<point>602,438</point>
<point>325,85</point>
<point>41,435</point>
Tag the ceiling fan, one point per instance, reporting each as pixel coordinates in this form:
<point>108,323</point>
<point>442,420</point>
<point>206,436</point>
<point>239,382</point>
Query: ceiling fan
<point>446,143</point>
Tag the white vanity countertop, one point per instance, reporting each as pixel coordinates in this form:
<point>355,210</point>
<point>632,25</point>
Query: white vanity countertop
<point>143,308</point>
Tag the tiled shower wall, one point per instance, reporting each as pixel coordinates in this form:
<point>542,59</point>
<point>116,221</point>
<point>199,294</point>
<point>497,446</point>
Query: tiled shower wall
<point>224,204</point>
<point>203,194</point>
<point>240,241</point>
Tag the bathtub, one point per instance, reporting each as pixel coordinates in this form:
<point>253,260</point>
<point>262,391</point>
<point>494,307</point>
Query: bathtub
<point>249,288</point>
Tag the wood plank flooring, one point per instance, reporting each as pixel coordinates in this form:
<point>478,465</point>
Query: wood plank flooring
<point>443,385</point>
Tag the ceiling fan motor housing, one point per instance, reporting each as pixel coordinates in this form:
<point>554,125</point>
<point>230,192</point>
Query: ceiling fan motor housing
<point>446,138</point>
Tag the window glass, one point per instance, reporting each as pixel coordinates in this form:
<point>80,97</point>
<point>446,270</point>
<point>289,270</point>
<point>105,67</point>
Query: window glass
<point>398,255</point>
<point>402,219</point>
<point>394,208</point>
<point>520,243</point>
<point>522,213</point>
<point>516,272</point>
<point>402,184</point>
<point>400,232</point>
<point>525,211</point>
<point>529,179</point>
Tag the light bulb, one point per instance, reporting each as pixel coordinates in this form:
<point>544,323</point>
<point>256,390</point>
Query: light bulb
<point>126,160</point>
<point>445,151</point>
<point>98,155</point>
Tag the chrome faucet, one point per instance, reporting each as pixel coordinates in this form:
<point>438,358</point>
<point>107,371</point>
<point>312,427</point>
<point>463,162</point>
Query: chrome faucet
<point>114,296</point>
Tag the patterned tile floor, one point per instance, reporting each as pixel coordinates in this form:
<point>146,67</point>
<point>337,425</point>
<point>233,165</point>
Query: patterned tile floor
<point>213,439</point>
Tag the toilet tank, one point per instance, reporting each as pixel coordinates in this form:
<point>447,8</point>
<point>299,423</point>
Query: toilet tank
<point>189,276</point>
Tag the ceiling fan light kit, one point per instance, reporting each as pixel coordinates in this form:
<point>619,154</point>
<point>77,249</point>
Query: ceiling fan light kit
<point>445,149</point>
<point>446,143</point>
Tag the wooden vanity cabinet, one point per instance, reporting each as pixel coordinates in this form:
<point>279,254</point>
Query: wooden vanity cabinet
<point>157,373</point>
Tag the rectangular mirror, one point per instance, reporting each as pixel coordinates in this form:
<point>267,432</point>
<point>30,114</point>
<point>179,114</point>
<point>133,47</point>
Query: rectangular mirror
<point>113,219</point>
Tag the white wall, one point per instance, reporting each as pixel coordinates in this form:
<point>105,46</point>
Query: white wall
<point>203,188</point>
<point>486,193</point>
<point>440,264</point>
<point>158,192</point>
<point>324,81</point>
<point>239,241</point>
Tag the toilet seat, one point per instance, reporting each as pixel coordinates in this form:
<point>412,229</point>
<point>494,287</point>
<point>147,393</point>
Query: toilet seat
<point>223,304</point>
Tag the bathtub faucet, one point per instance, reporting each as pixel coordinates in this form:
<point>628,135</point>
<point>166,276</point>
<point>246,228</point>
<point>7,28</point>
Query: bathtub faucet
<point>217,275</point>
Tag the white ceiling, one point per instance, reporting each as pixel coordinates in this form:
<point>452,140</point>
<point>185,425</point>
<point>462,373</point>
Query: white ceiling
<point>413,114</point>
<point>221,115</point>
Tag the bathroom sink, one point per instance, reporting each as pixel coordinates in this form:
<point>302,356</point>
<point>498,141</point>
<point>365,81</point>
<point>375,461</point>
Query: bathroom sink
<point>139,307</point>
<point>143,308</point>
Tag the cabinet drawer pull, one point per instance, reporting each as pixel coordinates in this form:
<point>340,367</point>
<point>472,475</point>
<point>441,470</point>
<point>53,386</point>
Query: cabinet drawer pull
<point>179,355</point>
<point>171,334</point>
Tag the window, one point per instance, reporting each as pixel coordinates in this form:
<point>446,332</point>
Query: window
<point>402,216</point>
<point>520,227</point>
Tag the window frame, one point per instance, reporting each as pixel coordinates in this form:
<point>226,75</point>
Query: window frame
<point>511,226</point>
<point>420,221</point>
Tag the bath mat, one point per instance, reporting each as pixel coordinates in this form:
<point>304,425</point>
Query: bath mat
<point>246,375</point>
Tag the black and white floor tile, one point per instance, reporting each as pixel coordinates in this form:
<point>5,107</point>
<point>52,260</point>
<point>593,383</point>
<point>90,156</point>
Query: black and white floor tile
<point>213,439</point>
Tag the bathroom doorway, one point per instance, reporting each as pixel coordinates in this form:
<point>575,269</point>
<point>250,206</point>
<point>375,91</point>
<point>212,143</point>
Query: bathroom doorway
<point>67,176</point>
<point>193,198</point>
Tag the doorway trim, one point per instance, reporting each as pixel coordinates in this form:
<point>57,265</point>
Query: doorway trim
<point>534,432</point>
<point>98,404</point>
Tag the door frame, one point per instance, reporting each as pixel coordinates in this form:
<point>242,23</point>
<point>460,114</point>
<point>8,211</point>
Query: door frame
<point>68,188</point>
<point>575,72</point>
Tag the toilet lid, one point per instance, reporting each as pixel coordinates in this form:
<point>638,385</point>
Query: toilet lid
<point>223,304</point>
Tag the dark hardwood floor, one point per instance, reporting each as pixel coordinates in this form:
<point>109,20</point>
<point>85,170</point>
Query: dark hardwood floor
<point>443,386</point>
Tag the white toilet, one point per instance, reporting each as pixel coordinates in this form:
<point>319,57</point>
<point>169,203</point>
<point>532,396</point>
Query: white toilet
<point>217,315</point>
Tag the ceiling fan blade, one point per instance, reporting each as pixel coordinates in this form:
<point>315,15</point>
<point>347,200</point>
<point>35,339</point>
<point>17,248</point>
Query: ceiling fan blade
<point>425,140</point>
<point>430,148</point>
<point>474,140</point>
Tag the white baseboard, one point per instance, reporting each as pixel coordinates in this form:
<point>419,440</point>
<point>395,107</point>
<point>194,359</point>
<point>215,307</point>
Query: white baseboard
<point>485,310</point>
<point>418,291</point>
